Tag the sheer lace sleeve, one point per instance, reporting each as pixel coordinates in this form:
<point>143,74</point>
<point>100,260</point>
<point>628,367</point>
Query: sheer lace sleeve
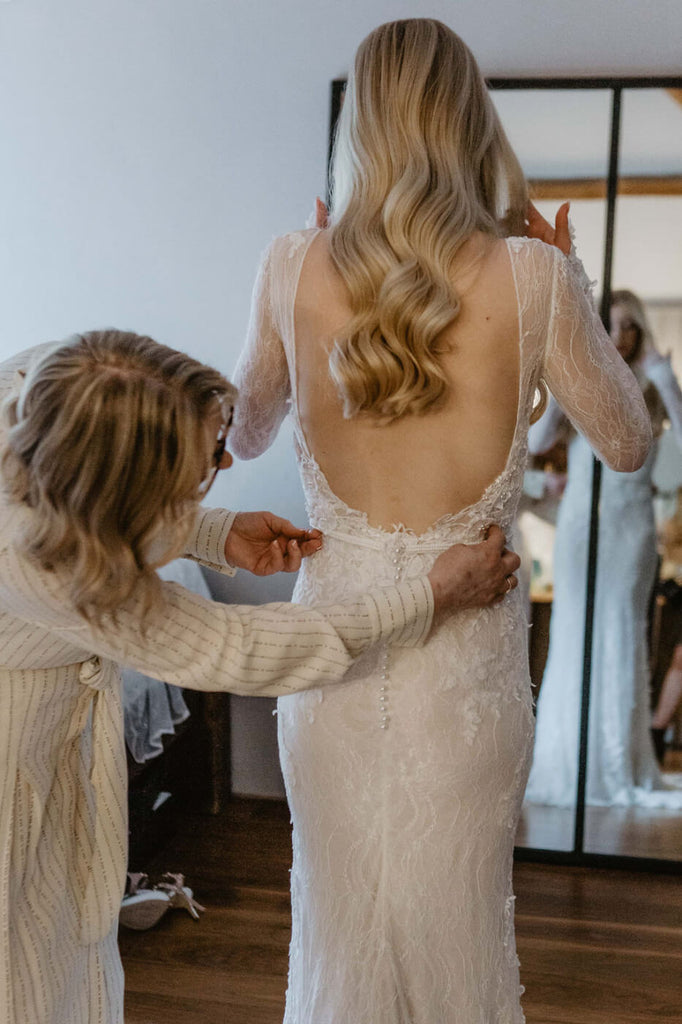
<point>589,379</point>
<point>261,375</point>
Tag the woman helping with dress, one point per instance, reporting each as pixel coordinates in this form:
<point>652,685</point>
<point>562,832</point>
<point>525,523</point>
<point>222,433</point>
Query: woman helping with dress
<point>622,768</point>
<point>108,442</point>
<point>408,339</point>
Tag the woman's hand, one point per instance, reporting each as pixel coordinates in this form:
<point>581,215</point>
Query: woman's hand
<point>321,214</point>
<point>474,575</point>
<point>559,235</point>
<point>264,543</point>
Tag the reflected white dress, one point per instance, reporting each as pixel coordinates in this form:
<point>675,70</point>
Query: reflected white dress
<point>622,768</point>
<point>405,786</point>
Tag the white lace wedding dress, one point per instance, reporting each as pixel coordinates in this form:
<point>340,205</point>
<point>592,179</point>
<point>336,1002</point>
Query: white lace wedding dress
<point>405,783</point>
<point>621,765</point>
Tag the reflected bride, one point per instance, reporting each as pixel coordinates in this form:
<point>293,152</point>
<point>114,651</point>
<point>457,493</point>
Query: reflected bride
<point>622,768</point>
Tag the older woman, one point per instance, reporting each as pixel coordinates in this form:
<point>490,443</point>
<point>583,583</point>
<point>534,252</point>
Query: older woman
<point>108,443</point>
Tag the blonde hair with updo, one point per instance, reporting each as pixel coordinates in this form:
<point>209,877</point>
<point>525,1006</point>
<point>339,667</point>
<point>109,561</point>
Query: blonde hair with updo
<point>420,162</point>
<point>107,445</point>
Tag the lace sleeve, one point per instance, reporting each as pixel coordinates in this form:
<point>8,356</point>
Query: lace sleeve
<point>261,375</point>
<point>591,382</point>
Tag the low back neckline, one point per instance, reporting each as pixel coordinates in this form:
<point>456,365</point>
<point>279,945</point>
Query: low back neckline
<point>490,502</point>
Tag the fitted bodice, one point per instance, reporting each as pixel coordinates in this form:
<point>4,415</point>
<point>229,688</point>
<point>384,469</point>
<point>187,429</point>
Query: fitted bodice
<point>559,338</point>
<point>331,514</point>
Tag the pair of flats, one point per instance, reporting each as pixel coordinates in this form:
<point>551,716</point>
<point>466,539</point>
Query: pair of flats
<point>144,905</point>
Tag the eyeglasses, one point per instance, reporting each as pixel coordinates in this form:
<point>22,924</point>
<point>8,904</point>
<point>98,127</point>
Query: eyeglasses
<point>219,450</point>
<point>217,456</point>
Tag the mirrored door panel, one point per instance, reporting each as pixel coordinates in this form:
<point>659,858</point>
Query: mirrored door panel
<point>562,140</point>
<point>633,796</point>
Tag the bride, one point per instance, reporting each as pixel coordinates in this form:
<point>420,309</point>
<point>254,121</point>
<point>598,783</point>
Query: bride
<point>408,339</point>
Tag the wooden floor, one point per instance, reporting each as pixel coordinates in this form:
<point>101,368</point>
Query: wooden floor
<point>596,947</point>
<point>623,831</point>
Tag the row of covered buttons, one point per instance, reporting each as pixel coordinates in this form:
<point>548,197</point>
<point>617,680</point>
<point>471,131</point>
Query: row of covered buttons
<point>398,552</point>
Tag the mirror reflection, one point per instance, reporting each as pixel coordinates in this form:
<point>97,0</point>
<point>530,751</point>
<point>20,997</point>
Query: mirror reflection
<point>634,798</point>
<point>561,138</point>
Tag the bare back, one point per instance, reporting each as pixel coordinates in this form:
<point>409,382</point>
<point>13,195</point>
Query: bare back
<point>526,313</point>
<point>418,468</point>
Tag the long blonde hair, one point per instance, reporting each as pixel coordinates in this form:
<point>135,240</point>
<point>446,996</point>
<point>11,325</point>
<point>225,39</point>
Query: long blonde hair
<point>420,162</point>
<point>107,444</point>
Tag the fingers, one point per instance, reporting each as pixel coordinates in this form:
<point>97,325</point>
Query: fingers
<point>562,234</point>
<point>321,213</point>
<point>292,557</point>
<point>533,215</point>
<point>297,550</point>
<point>510,562</point>
<point>538,227</point>
<point>510,583</point>
<point>309,547</point>
<point>309,541</point>
<point>559,235</point>
<point>495,537</point>
<point>283,527</point>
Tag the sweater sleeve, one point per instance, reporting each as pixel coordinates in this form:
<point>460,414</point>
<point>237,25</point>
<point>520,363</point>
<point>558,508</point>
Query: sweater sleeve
<point>206,544</point>
<point>269,650</point>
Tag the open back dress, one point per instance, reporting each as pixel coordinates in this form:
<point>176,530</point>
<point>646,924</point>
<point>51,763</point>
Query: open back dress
<point>405,786</point>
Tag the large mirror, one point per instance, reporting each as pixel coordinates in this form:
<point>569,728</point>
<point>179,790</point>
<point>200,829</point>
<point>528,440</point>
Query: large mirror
<point>562,141</point>
<point>602,552</point>
<point>606,628</point>
<point>634,806</point>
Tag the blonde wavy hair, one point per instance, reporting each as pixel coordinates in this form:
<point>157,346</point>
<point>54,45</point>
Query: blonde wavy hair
<point>108,445</point>
<point>420,162</point>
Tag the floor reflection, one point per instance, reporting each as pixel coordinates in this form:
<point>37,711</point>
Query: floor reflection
<point>623,831</point>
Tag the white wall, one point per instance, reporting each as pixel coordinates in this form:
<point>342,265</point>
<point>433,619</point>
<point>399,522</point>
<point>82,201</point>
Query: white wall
<point>149,149</point>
